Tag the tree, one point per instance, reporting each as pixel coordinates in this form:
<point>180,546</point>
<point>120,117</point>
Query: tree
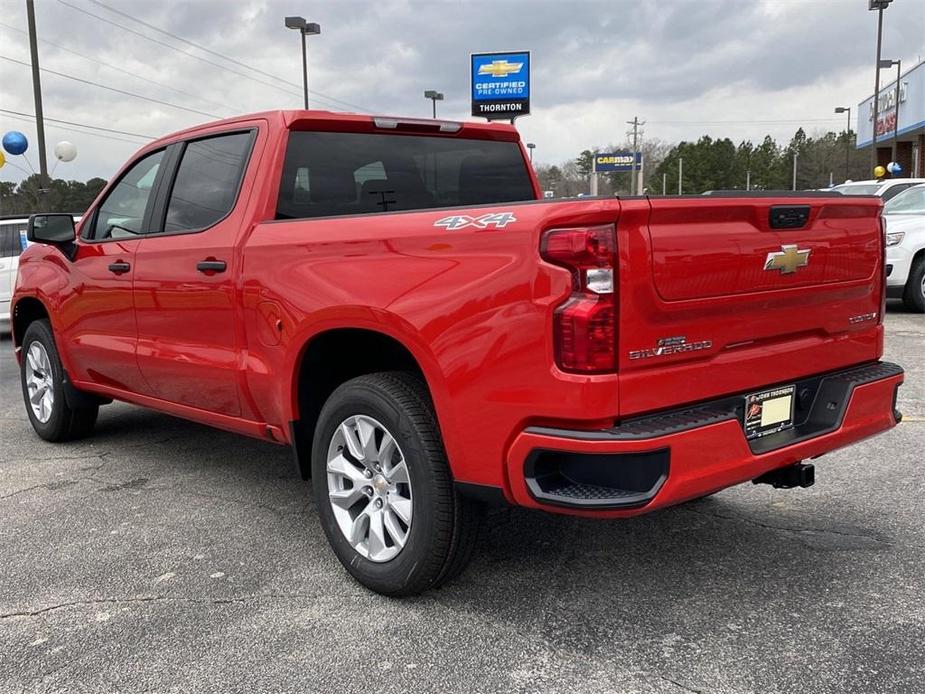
<point>29,197</point>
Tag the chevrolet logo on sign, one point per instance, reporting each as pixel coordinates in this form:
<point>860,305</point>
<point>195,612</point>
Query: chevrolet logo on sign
<point>500,68</point>
<point>788,259</point>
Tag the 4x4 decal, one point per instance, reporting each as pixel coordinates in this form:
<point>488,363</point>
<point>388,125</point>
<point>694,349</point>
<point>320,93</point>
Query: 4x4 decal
<point>498,220</point>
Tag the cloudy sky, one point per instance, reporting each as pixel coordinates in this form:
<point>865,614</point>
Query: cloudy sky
<point>736,68</point>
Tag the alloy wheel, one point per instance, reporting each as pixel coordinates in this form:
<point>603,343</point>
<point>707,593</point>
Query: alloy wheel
<point>40,382</point>
<point>369,488</point>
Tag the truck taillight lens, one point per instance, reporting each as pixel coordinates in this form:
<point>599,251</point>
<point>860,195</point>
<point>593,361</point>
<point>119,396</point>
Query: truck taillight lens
<point>586,323</point>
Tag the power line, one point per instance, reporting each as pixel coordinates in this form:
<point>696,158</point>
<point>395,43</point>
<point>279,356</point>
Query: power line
<point>31,119</point>
<point>114,89</point>
<point>219,55</point>
<point>123,71</point>
<point>82,125</point>
<point>182,52</point>
<point>748,121</point>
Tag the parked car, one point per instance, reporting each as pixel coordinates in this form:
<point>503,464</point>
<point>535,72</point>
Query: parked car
<point>12,244</point>
<point>886,189</point>
<point>396,300</point>
<point>905,247</point>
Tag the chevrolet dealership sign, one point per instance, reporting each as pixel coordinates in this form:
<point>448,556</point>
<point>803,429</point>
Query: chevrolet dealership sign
<point>500,85</point>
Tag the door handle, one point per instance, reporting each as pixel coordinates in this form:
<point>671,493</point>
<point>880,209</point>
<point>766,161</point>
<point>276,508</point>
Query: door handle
<point>119,267</point>
<point>211,266</point>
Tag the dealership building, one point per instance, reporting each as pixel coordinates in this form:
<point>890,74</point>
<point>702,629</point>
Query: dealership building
<point>910,140</point>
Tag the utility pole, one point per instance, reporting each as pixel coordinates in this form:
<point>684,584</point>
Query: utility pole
<point>37,92</point>
<point>795,155</point>
<point>680,174</point>
<point>664,184</point>
<point>636,133</point>
<point>748,180</point>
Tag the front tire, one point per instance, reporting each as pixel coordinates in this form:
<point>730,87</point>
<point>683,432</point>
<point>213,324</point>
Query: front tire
<point>914,294</point>
<point>383,487</point>
<point>42,377</point>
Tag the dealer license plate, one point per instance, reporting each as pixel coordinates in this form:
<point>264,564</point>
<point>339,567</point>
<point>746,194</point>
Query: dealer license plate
<point>768,412</point>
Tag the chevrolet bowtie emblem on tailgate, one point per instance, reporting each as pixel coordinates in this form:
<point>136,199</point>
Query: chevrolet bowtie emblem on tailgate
<point>500,68</point>
<point>788,259</point>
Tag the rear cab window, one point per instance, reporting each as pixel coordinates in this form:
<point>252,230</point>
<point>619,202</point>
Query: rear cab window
<point>331,173</point>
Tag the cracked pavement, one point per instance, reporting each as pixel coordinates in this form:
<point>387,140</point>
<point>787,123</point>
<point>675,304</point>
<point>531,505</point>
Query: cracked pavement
<point>163,556</point>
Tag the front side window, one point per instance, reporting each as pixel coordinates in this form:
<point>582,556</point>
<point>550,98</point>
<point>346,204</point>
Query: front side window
<point>893,191</point>
<point>329,173</point>
<point>122,211</point>
<point>207,181</point>
<point>911,201</point>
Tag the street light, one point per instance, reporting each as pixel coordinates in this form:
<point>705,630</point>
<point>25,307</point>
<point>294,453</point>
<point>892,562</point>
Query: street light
<point>846,109</point>
<point>531,146</point>
<point>880,6</point>
<point>306,29</point>
<point>884,65</point>
<point>434,96</point>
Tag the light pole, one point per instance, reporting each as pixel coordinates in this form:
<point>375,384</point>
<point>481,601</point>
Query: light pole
<point>846,109</point>
<point>306,29</point>
<point>434,96</point>
<point>880,6</point>
<point>885,64</point>
<point>531,146</point>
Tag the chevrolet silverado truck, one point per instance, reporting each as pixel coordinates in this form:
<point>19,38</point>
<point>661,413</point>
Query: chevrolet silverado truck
<point>396,301</point>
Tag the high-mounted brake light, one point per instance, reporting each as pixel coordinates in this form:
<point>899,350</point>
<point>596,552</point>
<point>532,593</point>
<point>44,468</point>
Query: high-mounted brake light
<point>585,324</point>
<point>443,126</point>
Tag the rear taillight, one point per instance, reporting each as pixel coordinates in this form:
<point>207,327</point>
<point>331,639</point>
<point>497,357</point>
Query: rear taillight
<point>586,323</point>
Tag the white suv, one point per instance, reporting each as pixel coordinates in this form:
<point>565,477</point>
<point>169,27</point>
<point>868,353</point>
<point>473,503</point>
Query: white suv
<point>905,247</point>
<point>12,244</point>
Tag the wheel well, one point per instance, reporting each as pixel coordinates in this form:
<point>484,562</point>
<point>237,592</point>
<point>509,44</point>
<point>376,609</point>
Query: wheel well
<point>26,311</point>
<point>332,358</point>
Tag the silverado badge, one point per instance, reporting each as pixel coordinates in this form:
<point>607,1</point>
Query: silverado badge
<point>788,259</point>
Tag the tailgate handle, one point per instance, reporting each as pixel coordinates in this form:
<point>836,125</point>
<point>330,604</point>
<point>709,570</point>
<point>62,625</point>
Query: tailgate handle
<point>788,216</point>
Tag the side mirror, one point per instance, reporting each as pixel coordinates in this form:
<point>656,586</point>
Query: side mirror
<point>51,228</point>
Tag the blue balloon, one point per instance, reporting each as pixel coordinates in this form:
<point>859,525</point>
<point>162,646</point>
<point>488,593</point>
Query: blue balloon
<point>14,142</point>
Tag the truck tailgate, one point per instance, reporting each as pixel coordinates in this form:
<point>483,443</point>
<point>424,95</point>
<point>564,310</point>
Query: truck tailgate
<point>715,298</point>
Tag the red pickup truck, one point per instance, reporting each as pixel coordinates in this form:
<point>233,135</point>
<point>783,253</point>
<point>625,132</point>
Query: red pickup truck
<point>394,300</point>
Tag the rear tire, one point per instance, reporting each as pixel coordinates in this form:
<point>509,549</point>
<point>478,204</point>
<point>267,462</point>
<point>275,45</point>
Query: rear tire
<point>43,381</point>
<point>365,482</point>
<point>914,294</point>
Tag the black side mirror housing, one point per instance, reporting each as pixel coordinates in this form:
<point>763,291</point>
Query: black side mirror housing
<point>55,228</point>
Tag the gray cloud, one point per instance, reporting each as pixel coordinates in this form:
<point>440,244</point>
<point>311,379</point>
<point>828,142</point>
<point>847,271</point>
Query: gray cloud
<point>596,64</point>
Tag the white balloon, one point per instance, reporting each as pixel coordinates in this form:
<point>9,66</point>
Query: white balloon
<point>65,151</point>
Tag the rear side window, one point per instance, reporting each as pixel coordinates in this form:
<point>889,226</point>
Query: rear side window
<point>328,173</point>
<point>207,181</point>
<point>12,239</point>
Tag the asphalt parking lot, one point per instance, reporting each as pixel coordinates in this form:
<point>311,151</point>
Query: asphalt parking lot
<point>162,556</point>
